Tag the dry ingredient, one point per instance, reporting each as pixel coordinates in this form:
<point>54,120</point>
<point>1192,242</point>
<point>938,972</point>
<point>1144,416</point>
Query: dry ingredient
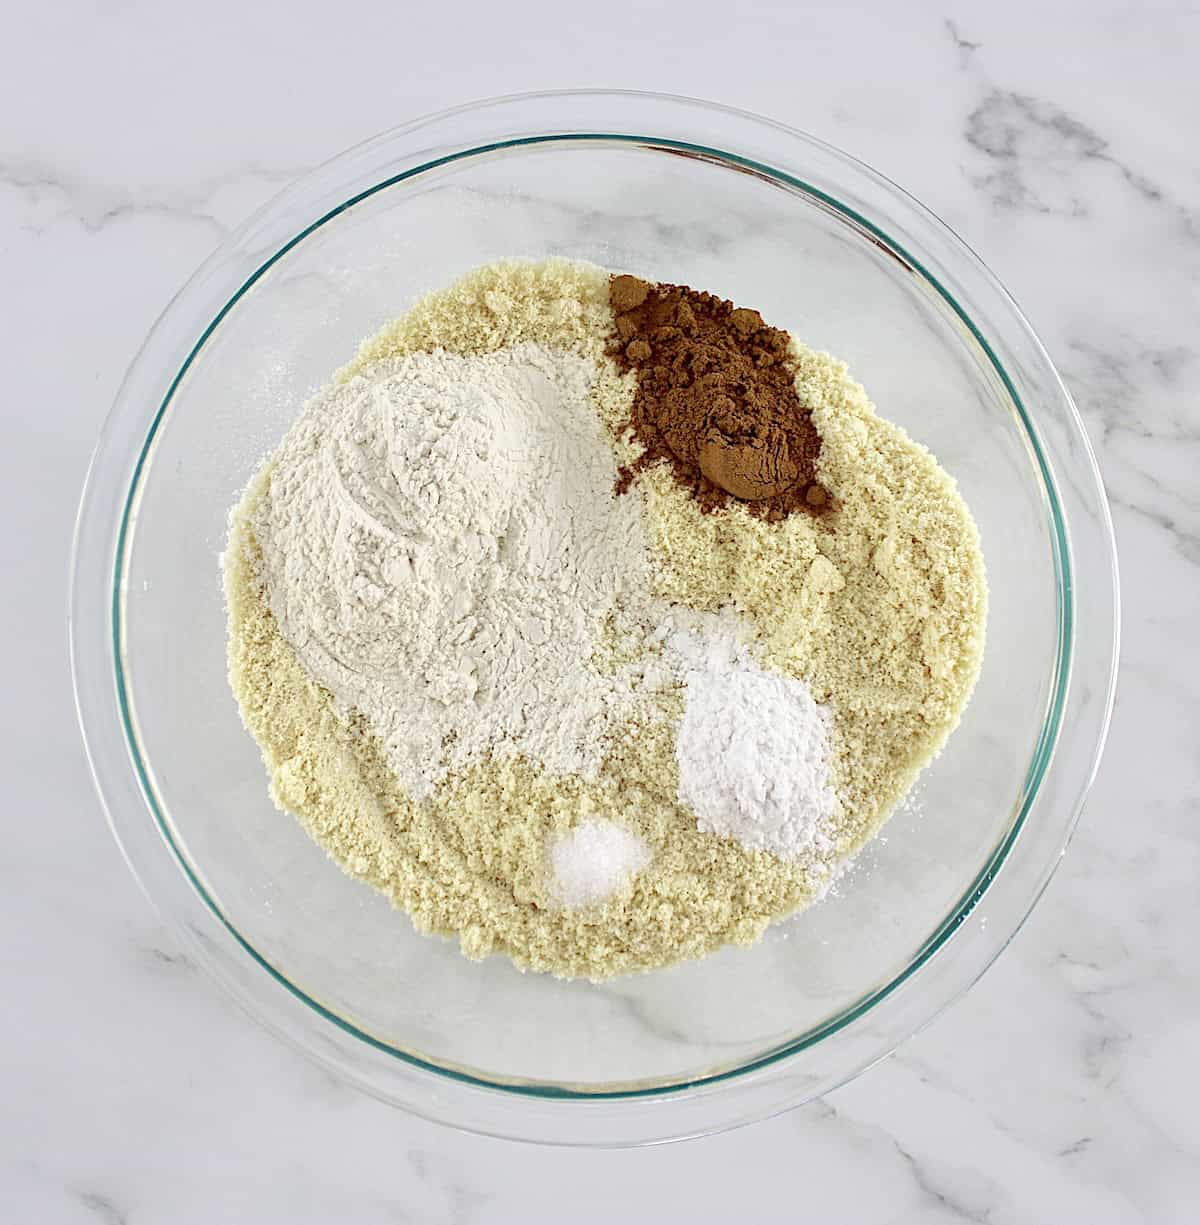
<point>878,608</point>
<point>752,747</point>
<point>716,399</point>
<point>439,541</point>
<point>594,860</point>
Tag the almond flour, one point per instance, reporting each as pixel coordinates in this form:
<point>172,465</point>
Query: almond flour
<point>879,608</point>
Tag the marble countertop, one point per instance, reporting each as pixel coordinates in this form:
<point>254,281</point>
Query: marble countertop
<point>1059,140</point>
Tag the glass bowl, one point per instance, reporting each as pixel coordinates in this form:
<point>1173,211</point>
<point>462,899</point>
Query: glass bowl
<point>674,190</point>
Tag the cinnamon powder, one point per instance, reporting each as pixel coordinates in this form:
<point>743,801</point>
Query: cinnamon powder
<point>715,400</point>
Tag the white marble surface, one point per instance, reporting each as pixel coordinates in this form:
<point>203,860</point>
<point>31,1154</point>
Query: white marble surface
<point>1059,139</point>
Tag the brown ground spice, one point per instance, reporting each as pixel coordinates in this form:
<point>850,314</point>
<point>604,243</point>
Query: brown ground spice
<point>716,400</point>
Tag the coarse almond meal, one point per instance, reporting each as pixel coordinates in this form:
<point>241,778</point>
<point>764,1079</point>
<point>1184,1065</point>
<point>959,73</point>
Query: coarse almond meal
<point>879,607</point>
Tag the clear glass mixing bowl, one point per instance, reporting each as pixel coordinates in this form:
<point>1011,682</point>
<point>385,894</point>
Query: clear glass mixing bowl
<point>675,190</point>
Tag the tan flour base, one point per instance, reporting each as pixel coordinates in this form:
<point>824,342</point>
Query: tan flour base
<point>881,611</point>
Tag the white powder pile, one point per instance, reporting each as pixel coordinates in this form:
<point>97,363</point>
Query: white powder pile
<point>440,542</point>
<point>594,860</point>
<point>753,748</point>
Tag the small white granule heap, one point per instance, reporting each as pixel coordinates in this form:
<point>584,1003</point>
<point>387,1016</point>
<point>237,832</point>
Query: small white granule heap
<point>440,542</point>
<point>752,747</point>
<point>594,860</point>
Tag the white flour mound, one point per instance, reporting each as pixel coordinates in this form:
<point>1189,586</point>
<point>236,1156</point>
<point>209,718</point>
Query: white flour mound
<point>440,541</point>
<point>753,748</point>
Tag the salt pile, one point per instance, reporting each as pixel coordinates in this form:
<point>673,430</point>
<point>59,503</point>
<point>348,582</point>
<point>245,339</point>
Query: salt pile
<point>594,860</point>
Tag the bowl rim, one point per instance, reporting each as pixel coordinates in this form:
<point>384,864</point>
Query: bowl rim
<point>112,491</point>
